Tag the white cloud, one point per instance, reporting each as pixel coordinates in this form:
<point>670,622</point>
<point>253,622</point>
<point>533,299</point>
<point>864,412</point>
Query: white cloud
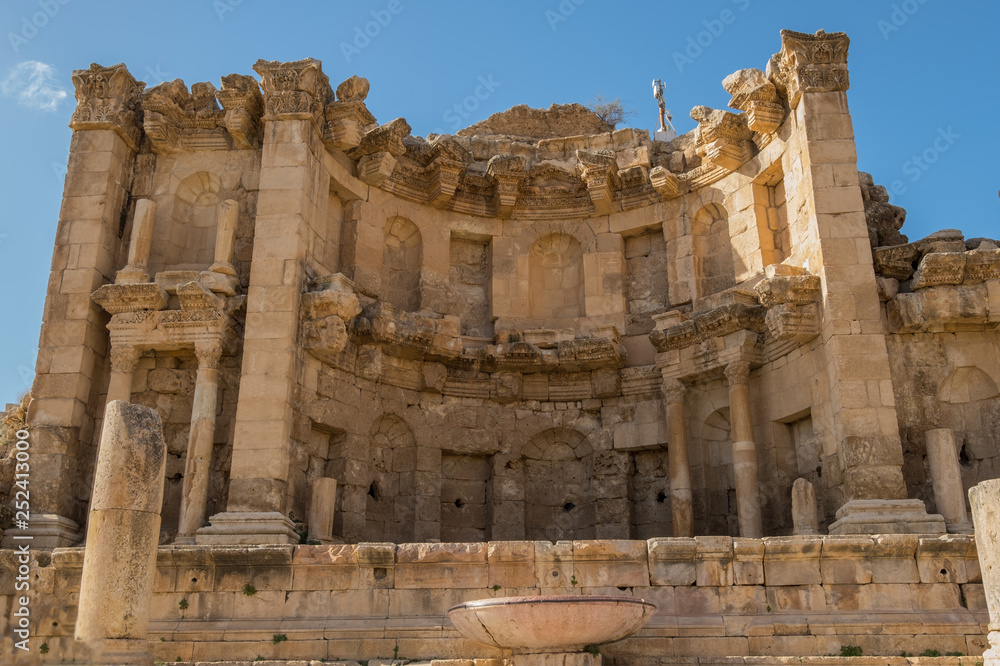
<point>33,84</point>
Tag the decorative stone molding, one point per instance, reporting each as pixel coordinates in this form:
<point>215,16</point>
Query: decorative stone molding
<point>507,172</point>
<point>196,296</point>
<point>791,297</point>
<point>722,138</point>
<point>325,315</point>
<point>176,120</point>
<point>386,138</point>
<point>108,98</point>
<point>756,96</point>
<point>666,184</point>
<point>599,172</point>
<point>116,298</point>
<point>718,322</point>
<point>347,119</point>
<point>810,63</point>
<point>946,308</point>
<point>244,105</point>
<point>294,90</point>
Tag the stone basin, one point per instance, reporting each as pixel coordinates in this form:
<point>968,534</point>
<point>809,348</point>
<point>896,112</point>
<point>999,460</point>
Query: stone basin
<point>529,625</point>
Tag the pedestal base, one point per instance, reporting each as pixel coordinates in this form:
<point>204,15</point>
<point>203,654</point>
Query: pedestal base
<point>247,528</point>
<point>887,517</point>
<point>47,530</point>
<point>556,659</point>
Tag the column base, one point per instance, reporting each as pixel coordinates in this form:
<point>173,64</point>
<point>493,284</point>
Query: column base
<point>247,528</point>
<point>118,651</point>
<point>47,531</point>
<point>960,528</point>
<point>887,517</point>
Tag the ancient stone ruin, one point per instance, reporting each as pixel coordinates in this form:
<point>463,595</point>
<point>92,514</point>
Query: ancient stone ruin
<point>542,356</point>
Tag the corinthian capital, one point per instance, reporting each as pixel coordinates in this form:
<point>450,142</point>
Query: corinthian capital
<point>673,390</point>
<point>208,354</point>
<point>108,98</point>
<point>738,372</point>
<point>294,90</point>
<point>810,63</point>
<point>124,359</point>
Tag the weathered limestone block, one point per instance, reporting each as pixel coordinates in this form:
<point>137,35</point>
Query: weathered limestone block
<point>387,139</point>
<point>666,184</point>
<point>846,560</point>
<point>124,528</point>
<point>609,563</point>
<point>944,559</point>
<point>939,268</point>
<point>328,567</point>
<point>894,558</point>
<point>244,105</point>
<point>553,564</point>
<point>792,560</point>
<point>714,560</point>
<point>436,565</point>
<point>748,561</point>
<point>347,119</point>
<point>511,564</point>
<point>672,561</point>
<point>938,308</point>
<point>985,500</point>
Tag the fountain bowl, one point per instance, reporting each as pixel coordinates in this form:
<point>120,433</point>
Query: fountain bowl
<point>550,623</point>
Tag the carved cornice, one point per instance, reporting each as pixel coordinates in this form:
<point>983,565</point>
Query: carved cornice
<point>244,106</point>
<point>108,98</point>
<point>795,289</point>
<point>294,90</point>
<point>810,63</point>
<point>756,96</point>
<point>715,323</point>
<point>176,120</point>
<point>722,138</point>
<point>599,171</point>
<point>386,138</point>
<point>117,298</point>
<point>347,119</point>
<point>507,172</point>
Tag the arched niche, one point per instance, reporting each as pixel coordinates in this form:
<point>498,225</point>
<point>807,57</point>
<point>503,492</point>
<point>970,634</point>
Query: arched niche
<point>970,405</point>
<point>402,256</point>
<point>187,241</point>
<point>558,495</point>
<point>713,477</point>
<point>555,276</point>
<point>713,250</point>
<point>391,500</point>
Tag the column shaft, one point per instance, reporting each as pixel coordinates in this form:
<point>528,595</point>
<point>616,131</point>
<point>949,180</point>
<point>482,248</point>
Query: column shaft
<point>198,468</point>
<point>744,451</point>
<point>681,501</point>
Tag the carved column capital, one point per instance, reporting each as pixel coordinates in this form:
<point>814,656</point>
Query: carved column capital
<point>124,359</point>
<point>738,372</point>
<point>208,354</point>
<point>810,63</point>
<point>674,390</point>
<point>294,90</point>
<point>108,98</point>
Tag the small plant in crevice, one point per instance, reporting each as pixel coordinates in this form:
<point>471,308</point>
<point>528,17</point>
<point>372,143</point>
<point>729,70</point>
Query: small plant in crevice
<point>249,590</point>
<point>183,604</point>
<point>395,652</point>
<point>592,650</point>
<point>929,653</point>
<point>496,587</point>
<point>279,638</point>
<point>573,580</point>
<point>850,651</point>
<point>953,654</point>
<point>44,648</point>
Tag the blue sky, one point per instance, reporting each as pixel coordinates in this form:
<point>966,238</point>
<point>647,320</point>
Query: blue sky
<point>923,86</point>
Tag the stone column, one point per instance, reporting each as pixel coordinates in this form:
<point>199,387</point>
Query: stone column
<point>985,500</point>
<point>321,508</point>
<point>119,564</point>
<point>71,345</point>
<point>137,270</point>
<point>946,476</point>
<point>681,506</point>
<point>805,519</point>
<point>744,450</point>
<point>225,237</point>
<point>292,200</point>
<point>123,362</point>
<point>198,466</point>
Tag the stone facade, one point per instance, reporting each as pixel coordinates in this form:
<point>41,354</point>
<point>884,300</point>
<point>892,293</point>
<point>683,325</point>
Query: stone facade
<point>515,336</point>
